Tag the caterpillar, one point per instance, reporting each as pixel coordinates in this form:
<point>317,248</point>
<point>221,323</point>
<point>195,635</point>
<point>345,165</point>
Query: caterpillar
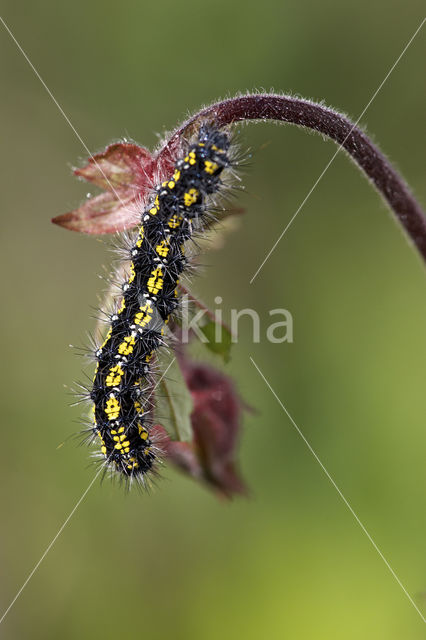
<point>122,382</point>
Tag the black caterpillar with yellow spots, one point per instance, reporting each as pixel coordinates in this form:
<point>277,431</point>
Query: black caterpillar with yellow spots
<point>123,376</point>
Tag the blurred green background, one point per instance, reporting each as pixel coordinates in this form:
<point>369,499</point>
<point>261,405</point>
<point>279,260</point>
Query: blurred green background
<point>290,561</point>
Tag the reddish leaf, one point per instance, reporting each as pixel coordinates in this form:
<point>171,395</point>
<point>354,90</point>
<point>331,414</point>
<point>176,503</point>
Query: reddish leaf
<point>102,214</point>
<point>210,457</point>
<point>127,172</point>
<point>121,167</point>
<point>181,454</point>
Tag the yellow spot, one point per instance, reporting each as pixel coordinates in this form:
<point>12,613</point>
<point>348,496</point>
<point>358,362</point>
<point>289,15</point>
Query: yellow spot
<point>201,144</point>
<point>144,317</point>
<point>210,167</point>
<point>103,447</point>
<point>163,248</point>
<point>138,406</point>
<point>148,357</point>
<point>153,211</point>
<point>132,273</point>
<point>171,184</point>
<point>114,376</point>
<point>192,157</point>
<point>143,432</point>
<point>122,306</point>
<point>112,408</point>
<point>176,175</point>
<point>191,197</point>
<point>141,237</point>
<point>126,347</point>
<point>156,281</point>
<point>147,450</point>
<point>134,464</point>
<point>107,337</point>
<point>174,221</point>
<point>215,148</point>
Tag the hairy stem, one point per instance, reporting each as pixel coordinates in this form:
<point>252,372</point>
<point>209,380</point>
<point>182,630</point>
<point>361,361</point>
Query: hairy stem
<point>314,116</point>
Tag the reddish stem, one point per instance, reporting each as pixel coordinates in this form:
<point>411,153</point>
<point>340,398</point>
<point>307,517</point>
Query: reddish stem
<point>328,122</point>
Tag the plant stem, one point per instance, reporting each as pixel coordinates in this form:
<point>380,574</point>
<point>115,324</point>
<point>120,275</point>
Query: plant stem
<point>336,126</point>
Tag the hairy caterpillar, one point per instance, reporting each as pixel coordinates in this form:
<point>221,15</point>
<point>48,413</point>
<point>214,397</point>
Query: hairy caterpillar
<point>122,380</point>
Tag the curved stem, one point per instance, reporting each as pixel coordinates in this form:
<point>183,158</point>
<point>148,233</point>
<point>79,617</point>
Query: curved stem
<point>315,116</point>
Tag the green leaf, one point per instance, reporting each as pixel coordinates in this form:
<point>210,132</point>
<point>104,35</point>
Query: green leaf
<point>222,346</point>
<point>208,325</point>
<point>174,404</point>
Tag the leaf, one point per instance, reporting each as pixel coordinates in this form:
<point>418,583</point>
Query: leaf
<point>208,326</point>
<point>102,214</point>
<point>221,347</point>
<point>122,166</point>
<point>126,172</point>
<point>210,457</point>
<point>174,404</point>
